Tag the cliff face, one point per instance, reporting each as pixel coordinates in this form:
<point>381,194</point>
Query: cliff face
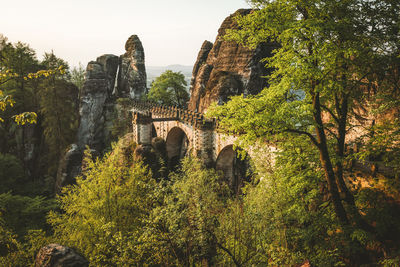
<point>108,78</point>
<point>225,68</point>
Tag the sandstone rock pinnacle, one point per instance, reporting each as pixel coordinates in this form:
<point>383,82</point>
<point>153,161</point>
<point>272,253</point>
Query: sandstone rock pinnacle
<point>225,68</point>
<point>132,71</point>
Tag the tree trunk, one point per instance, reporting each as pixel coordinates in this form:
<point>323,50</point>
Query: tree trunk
<point>326,162</point>
<point>341,103</point>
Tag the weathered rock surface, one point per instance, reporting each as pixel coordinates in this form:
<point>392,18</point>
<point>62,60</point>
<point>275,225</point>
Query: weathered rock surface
<point>69,167</point>
<point>95,106</point>
<point>55,255</point>
<point>132,71</point>
<point>225,68</point>
<point>108,78</point>
<point>95,95</point>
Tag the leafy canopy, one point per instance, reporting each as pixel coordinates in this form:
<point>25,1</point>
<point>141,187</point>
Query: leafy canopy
<point>18,66</point>
<point>169,89</point>
<point>109,203</point>
<point>329,54</point>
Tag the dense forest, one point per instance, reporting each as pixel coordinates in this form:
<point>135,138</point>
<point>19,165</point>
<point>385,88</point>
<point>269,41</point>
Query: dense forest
<point>325,137</point>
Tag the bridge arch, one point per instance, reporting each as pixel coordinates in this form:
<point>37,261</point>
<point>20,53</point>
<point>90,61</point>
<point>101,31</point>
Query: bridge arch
<point>235,170</point>
<point>177,143</point>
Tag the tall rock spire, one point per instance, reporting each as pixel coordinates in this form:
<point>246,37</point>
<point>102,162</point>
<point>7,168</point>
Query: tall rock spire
<point>132,70</point>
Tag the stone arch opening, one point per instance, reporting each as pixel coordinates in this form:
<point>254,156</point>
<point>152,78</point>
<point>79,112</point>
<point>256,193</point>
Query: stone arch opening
<point>177,147</point>
<point>235,169</point>
<point>153,131</point>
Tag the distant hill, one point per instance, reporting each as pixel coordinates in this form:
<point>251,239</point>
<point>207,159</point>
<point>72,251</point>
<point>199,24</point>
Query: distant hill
<point>155,71</point>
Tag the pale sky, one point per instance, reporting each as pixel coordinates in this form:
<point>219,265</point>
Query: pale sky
<point>171,31</point>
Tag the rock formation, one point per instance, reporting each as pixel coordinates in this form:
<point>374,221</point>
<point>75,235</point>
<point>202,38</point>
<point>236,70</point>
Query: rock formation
<point>108,78</point>
<point>132,71</point>
<point>55,255</point>
<point>95,97</point>
<point>225,68</point>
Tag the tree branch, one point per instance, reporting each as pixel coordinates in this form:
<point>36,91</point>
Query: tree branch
<point>315,142</point>
<point>332,133</point>
<point>330,112</point>
<point>4,81</point>
<point>359,80</point>
<point>224,248</point>
<point>229,253</point>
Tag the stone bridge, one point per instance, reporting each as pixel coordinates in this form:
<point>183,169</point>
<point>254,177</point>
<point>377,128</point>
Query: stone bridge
<point>185,132</point>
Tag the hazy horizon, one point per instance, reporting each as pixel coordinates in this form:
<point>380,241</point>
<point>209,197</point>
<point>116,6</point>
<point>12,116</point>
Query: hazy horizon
<point>171,32</point>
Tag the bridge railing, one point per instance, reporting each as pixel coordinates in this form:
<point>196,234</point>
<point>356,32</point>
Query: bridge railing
<point>184,115</point>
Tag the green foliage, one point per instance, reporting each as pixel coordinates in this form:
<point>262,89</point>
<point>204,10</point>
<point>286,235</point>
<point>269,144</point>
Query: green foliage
<point>22,228</point>
<point>42,88</point>
<point>118,214</point>
<point>380,208</point>
<point>169,89</point>
<point>7,239</point>
<point>12,176</point>
<point>393,262</point>
<point>51,62</point>
<point>331,58</point>
<point>23,213</point>
<point>9,246</point>
<point>329,53</point>
<point>78,76</point>
<point>18,65</point>
<point>382,147</point>
<point>58,109</point>
<point>21,254</point>
<point>183,227</point>
<point>283,220</point>
<point>110,202</point>
<point>332,55</point>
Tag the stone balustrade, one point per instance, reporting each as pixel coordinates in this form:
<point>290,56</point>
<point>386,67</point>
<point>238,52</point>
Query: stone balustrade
<point>195,119</point>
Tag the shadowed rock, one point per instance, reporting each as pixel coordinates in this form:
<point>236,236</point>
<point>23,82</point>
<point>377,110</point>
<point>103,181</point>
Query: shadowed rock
<point>55,255</point>
<point>69,167</point>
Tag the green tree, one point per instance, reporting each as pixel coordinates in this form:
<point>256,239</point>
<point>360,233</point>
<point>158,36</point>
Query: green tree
<point>20,60</point>
<point>104,213</point>
<point>184,226</point>
<point>19,66</point>
<point>169,89</point>
<point>58,110</point>
<point>78,76</point>
<point>329,53</point>
<point>285,219</point>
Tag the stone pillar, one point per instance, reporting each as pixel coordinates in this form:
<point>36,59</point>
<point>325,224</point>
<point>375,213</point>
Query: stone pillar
<point>142,128</point>
<point>204,142</point>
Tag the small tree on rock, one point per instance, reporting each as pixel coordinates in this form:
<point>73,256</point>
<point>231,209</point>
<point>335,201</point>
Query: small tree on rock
<point>169,89</point>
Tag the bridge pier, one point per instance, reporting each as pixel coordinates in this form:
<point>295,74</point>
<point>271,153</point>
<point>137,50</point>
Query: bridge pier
<point>142,128</point>
<point>203,142</point>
